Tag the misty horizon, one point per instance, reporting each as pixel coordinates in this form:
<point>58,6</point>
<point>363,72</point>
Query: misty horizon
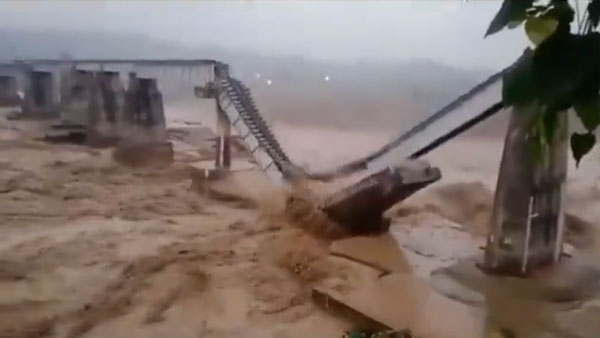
<point>214,50</point>
<point>444,32</point>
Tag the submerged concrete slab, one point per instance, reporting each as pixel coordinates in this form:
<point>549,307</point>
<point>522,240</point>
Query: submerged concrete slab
<point>435,243</point>
<point>380,252</point>
<point>404,301</point>
<point>443,284</point>
<point>563,286</point>
<point>561,301</point>
<point>403,298</point>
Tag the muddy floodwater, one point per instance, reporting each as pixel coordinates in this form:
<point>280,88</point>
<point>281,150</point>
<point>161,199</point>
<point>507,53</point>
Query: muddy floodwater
<point>93,248</point>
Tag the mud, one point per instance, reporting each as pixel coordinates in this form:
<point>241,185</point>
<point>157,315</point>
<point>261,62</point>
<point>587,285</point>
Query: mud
<point>469,205</point>
<point>93,248</point>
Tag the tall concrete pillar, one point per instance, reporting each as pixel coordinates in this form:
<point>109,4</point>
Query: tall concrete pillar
<point>223,148</point>
<point>97,125</point>
<point>76,96</point>
<point>211,90</point>
<point>40,95</point>
<point>144,106</point>
<point>131,101</point>
<point>144,138</point>
<point>528,215</point>
<point>109,102</point>
<point>156,112</point>
<point>113,96</point>
<point>8,91</point>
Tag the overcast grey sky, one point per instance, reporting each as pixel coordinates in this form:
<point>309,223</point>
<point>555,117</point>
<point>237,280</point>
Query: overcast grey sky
<point>448,31</point>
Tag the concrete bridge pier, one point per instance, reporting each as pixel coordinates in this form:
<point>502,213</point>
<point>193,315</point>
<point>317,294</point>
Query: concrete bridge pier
<point>222,164</point>
<point>154,108</point>
<point>144,107</point>
<point>90,104</point>
<point>9,96</point>
<point>143,138</point>
<point>99,131</point>
<point>40,95</point>
<point>223,146</point>
<point>131,102</point>
<point>113,96</point>
<point>76,97</point>
<point>107,105</point>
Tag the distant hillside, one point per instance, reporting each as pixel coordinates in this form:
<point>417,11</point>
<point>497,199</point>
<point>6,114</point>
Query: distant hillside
<point>362,94</point>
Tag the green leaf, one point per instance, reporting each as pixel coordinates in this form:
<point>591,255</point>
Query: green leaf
<point>515,23</point>
<point>589,112</point>
<point>538,29</point>
<point>356,334</point>
<point>535,10</point>
<point>557,74</point>
<point>588,56</point>
<point>581,144</point>
<point>517,86</point>
<point>562,11</point>
<point>511,11</point>
<point>593,9</point>
<point>506,333</point>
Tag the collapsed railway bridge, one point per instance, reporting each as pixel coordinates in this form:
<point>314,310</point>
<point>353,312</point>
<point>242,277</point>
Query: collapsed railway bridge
<point>107,99</point>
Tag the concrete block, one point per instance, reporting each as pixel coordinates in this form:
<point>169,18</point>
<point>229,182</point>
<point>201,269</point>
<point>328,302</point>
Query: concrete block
<point>359,208</point>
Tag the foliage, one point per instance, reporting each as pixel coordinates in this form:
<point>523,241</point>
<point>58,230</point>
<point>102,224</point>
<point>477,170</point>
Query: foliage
<point>371,333</point>
<point>560,72</point>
